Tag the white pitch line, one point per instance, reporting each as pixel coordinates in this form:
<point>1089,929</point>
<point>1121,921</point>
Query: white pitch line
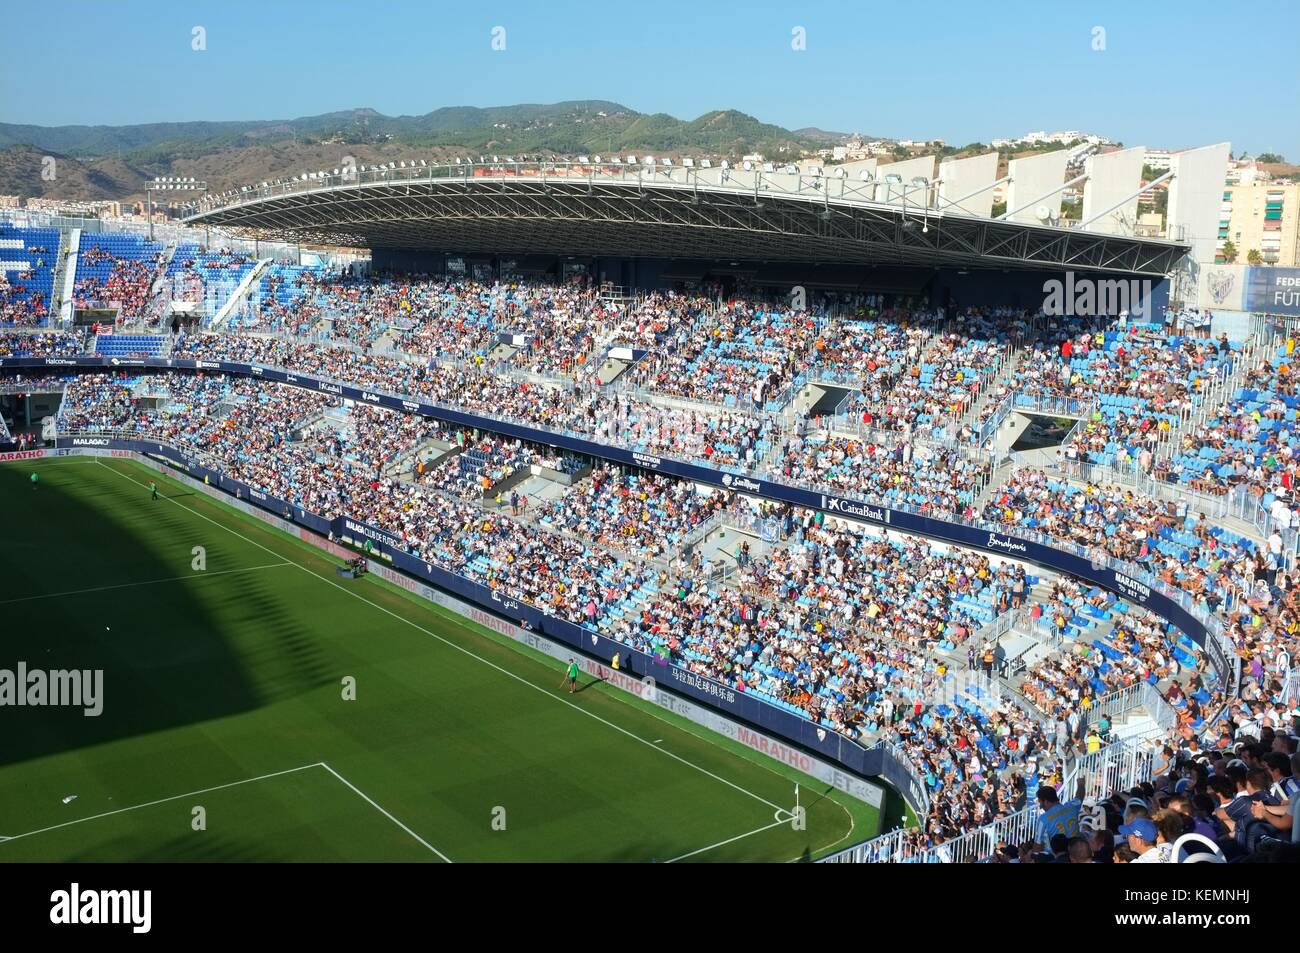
<point>177,797</point>
<point>730,840</point>
<point>368,800</point>
<point>460,648</point>
<point>147,582</point>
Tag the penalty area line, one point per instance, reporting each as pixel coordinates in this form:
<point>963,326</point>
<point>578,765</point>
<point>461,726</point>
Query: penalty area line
<point>365,797</point>
<point>164,800</point>
<point>198,574</point>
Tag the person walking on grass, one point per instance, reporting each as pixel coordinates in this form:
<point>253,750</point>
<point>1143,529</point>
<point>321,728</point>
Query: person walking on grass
<point>571,673</point>
<point>153,489</point>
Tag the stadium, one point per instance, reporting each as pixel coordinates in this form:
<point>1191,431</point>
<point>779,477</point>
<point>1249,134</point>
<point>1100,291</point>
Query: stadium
<point>649,508</point>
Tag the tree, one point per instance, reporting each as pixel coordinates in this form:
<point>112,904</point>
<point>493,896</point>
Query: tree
<point>1272,158</point>
<point>1253,257</point>
<point>1229,252</point>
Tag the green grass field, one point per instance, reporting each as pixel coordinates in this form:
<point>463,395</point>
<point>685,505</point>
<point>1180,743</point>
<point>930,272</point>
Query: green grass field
<point>223,690</point>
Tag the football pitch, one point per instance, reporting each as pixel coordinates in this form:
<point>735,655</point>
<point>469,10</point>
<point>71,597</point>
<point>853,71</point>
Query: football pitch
<point>261,709</point>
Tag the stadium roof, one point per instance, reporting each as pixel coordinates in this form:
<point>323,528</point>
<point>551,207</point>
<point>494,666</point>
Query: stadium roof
<point>653,211</point>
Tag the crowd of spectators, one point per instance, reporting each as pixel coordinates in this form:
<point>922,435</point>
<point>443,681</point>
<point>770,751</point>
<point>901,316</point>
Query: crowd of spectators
<point>912,475</point>
<point>42,344</point>
<point>742,353</point>
<point>1246,582</point>
<point>129,283</point>
<point>644,514</point>
<point>921,372</point>
<point>21,305</point>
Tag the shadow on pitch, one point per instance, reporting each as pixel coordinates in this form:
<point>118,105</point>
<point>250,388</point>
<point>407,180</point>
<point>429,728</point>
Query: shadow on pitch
<point>164,650</point>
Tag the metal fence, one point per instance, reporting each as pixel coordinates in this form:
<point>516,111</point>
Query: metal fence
<point>1291,688</point>
<point>1116,767</point>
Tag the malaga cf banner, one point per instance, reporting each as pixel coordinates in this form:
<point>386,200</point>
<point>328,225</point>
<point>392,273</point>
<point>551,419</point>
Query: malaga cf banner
<point>1250,288</point>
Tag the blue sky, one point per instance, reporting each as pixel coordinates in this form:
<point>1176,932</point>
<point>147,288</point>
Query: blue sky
<point>1169,76</point>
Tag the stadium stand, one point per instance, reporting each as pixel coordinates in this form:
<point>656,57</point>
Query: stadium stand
<point>116,270</point>
<point>28,261</point>
<point>873,634</point>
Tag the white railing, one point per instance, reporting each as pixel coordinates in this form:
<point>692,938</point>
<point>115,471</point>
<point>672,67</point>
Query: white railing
<point>1291,688</point>
<point>1116,767</point>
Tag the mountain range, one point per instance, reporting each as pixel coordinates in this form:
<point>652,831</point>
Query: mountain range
<point>115,162</point>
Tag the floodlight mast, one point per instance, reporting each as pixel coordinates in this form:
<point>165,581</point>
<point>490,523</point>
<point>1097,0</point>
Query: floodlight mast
<point>171,184</point>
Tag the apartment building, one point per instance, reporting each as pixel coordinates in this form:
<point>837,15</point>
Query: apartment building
<point>1261,217</point>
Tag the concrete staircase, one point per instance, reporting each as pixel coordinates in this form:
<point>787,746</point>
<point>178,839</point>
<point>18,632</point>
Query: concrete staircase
<point>1135,725</point>
<point>997,478</point>
<point>989,397</point>
<point>65,280</point>
<point>387,341</point>
<point>1219,393</point>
